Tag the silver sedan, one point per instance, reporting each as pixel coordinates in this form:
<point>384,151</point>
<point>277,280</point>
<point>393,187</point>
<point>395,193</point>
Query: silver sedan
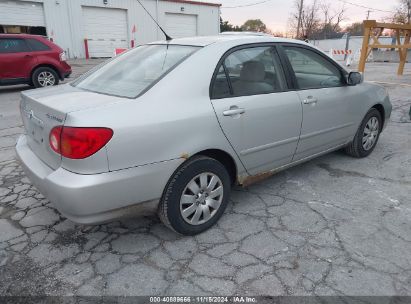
<point>171,126</point>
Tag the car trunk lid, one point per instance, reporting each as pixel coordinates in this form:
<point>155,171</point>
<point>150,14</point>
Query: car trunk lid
<point>44,109</point>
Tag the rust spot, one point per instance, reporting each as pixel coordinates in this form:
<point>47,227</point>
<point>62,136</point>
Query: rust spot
<point>185,156</point>
<point>246,181</point>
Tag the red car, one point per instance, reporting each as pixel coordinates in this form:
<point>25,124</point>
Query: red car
<point>31,59</point>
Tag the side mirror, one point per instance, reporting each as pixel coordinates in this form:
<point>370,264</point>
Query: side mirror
<point>354,78</point>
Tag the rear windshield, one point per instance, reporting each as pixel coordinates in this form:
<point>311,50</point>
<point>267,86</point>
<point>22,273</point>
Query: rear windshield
<point>132,73</point>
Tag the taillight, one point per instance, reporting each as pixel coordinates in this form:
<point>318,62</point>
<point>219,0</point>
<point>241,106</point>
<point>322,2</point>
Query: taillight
<point>78,143</point>
<point>54,138</point>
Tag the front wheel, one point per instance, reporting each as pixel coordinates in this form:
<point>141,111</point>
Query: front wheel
<point>367,135</point>
<point>44,77</point>
<point>196,196</point>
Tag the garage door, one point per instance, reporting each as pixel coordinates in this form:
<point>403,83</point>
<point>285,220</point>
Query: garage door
<point>105,30</point>
<point>181,25</point>
<point>21,13</point>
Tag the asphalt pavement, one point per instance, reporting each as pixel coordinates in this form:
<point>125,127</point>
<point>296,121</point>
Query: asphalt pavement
<point>332,226</point>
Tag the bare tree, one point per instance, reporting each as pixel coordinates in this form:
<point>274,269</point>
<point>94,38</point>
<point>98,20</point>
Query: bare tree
<point>403,12</point>
<point>313,25</point>
<point>332,19</point>
<point>309,19</point>
<point>355,29</point>
<point>274,33</point>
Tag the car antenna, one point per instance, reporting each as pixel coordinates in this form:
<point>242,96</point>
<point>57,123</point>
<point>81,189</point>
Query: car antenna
<point>168,38</point>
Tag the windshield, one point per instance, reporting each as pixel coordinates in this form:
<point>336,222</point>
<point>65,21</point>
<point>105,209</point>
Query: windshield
<point>135,71</point>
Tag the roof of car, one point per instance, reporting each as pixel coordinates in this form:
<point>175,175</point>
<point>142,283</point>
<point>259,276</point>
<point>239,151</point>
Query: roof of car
<point>247,33</point>
<point>19,36</point>
<point>240,39</point>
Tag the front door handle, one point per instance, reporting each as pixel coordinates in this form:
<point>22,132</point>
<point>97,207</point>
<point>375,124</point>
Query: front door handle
<point>234,111</point>
<point>310,100</point>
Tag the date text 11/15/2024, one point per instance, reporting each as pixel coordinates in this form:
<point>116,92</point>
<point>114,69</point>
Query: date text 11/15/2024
<point>203,299</point>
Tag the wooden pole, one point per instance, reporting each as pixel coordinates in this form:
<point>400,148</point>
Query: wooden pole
<point>374,30</point>
<point>365,44</point>
<point>403,53</point>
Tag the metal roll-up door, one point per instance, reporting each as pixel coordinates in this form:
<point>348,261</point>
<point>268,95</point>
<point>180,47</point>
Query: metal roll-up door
<point>181,25</point>
<point>105,30</point>
<point>22,13</point>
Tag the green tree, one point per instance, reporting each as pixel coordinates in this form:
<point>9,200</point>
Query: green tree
<point>225,26</point>
<point>254,25</point>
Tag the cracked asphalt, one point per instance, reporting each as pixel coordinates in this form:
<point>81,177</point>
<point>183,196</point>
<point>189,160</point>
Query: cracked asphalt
<point>332,226</point>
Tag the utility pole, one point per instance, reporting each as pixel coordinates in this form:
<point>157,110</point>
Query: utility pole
<point>299,18</point>
<point>347,45</point>
<point>368,14</point>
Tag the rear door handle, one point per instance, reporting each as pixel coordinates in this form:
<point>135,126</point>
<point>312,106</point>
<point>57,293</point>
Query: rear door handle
<point>234,111</point>
<point>310,100</point>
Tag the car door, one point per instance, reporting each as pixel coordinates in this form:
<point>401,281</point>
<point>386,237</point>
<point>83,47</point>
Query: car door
<point>327,100</point>
<point>16,59</point>
<point>258,115</point>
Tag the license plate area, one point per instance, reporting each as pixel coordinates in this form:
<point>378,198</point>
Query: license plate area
<point>36,133</point>
<point>35,129</point>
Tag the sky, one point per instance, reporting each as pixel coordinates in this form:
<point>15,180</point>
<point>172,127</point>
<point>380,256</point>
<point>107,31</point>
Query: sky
<point>275,13</point>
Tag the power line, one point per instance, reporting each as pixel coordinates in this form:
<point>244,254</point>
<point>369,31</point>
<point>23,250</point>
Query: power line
<point>247,5</point>
<point>368,14</point>
<point>343,1</point>
<point>366,7</point>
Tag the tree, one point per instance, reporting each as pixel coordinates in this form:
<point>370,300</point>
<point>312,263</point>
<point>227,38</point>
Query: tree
<point>403,12</point>
<point>315,26</point>
<point>254,25</point>
<point>355,29</point>
<point>332,20</point>
<point>276,33</point>
<point>309,19</point>
<point>225,26</point>
<point>310,22</point>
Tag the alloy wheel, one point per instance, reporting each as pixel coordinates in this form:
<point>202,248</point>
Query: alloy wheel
<point>46,79</point>
<point>370,134</point>
<point>201,198</point>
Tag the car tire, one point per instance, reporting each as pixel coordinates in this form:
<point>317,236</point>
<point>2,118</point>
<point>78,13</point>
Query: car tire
<point>44,77</point>
<point>367,135</point>
<point>200,184</point>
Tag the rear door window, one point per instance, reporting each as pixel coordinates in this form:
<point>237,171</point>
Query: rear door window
<point>221,87</point>
<point>13,45</point>
<point>251,71</point>
<point>37,46</point>
<point>254,71</point>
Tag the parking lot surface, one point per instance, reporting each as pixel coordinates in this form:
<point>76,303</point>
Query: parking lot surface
<point>332,226</point>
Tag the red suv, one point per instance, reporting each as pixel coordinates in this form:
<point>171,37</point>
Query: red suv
<point>31,59</point>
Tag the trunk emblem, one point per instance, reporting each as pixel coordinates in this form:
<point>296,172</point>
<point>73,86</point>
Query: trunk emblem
<point>52,117</point>
<point>30,115</point>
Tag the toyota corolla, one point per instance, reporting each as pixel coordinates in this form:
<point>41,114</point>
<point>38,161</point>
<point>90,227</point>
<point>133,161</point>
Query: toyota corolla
<point>173,125</point>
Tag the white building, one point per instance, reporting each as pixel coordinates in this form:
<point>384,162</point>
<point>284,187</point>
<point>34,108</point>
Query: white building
<point>100,26</point>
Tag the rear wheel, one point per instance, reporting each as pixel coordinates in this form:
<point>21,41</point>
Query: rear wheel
<point>44,77</point>
<point>196,196</point>
<point>367,135</point>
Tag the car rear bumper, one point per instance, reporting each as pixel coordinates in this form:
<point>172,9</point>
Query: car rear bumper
<point>96,198</point>
<point>67,74</point>
<point>65,70</point>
